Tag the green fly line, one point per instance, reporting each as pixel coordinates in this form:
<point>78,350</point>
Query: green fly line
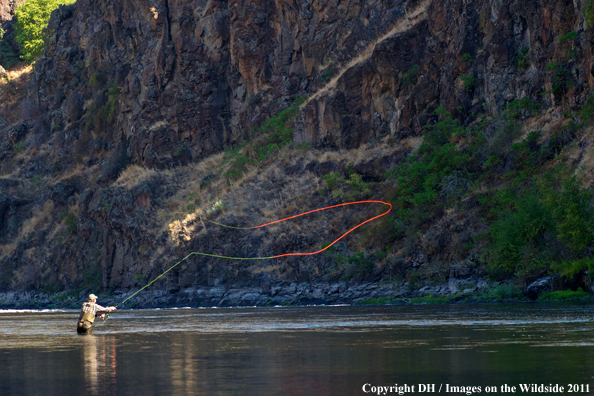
<point>265,258</point>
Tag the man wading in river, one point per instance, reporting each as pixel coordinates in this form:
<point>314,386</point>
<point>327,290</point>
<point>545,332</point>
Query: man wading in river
<point>89,311</point>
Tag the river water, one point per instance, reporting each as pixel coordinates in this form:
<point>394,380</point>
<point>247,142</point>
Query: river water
<point>338,350</point>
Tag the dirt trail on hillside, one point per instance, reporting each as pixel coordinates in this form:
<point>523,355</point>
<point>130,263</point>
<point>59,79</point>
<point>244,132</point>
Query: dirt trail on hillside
<point>404,24</point>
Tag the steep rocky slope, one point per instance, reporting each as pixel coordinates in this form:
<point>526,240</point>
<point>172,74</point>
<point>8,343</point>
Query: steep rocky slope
<point>116,151</point>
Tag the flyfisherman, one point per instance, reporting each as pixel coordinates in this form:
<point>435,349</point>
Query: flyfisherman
<point>89,311</point>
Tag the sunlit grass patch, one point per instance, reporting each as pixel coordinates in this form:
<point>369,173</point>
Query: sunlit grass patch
<point>134,175</point>
<point>217,207</point>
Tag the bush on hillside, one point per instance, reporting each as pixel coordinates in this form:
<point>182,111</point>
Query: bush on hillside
<point>32,18</point>
<point>540,216</point>
<point>549,225</point>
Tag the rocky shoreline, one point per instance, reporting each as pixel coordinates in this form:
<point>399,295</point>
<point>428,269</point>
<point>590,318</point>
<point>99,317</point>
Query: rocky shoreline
<point>284,294</point>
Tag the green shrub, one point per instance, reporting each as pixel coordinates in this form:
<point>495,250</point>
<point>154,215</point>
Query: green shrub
<point>339,187</point>
<point>410,76</point>
<point>31,20</point>
<point>521,58</point>
<point>331,250</point>
<point>570,36</point>
<point>466,57</point>
<point>420,179</point>
<point>538,217</point>
<point>51,288</point>
<point>377,301</point>
<point>568,40</point>
<point>571,209</point>
<point>71,222</point>
<point>562,80</point>
<point>513,109</point>
<point>548,223</point>
<point>588,12</point>
<point>239,162</point>
<point>504,292</point>
<point>19,147</point>
<point>362,188</point>
<point>586,113</point>
<point>359,260</point>
<point>331,179</point>
<point>518,236</point>
<point>96,79</point>
<point>574,267</point>
<point>380,255</point>
<point>113,97</point>
<point>327,74</point>
<point>99,118</point>
<point>354,264</point>
<point>268,139</point>
<point>580,294</point>
<point>181,151</point>
<point>7,55</point>
<point>468,82</point>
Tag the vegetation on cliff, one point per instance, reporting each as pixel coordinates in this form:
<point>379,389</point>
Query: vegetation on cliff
<point>31,19</point>
<point>539,215</point>
<point>126,139</point>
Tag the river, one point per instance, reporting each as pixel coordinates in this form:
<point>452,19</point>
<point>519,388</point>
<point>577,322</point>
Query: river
<point>323,350</point>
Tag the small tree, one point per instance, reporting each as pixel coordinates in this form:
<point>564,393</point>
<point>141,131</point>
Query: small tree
<point>32,18</point>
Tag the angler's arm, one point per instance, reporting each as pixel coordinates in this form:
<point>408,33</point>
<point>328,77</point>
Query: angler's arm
<point>103,310</point>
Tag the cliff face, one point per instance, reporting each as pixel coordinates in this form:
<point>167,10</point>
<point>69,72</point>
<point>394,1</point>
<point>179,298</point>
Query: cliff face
<point>201,74</point>
<point>166,84</point>
<point>501,48</point>
<point>194,74</point>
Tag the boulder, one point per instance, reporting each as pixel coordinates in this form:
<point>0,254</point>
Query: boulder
<point>539,286</point>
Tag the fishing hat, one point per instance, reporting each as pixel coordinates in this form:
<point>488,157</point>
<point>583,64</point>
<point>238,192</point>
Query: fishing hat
<point>92,297</point>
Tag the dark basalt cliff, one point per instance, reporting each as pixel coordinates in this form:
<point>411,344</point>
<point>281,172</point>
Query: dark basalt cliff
<point>198,74</point>
<point>201,74</point>
<point>167,85</point>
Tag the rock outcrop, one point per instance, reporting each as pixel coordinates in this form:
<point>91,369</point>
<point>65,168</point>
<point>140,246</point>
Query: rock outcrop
<point>7,9</point>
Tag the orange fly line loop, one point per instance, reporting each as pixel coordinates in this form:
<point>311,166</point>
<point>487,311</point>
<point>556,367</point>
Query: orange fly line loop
<point>339,238</point>
<point>299,215</point>
<point>271,257</point>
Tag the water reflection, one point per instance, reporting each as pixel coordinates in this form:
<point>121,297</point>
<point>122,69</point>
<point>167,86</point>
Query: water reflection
<point>295,351</point>
<point>99,358</point>
<point>183,366</point>
<point>91,363</point>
